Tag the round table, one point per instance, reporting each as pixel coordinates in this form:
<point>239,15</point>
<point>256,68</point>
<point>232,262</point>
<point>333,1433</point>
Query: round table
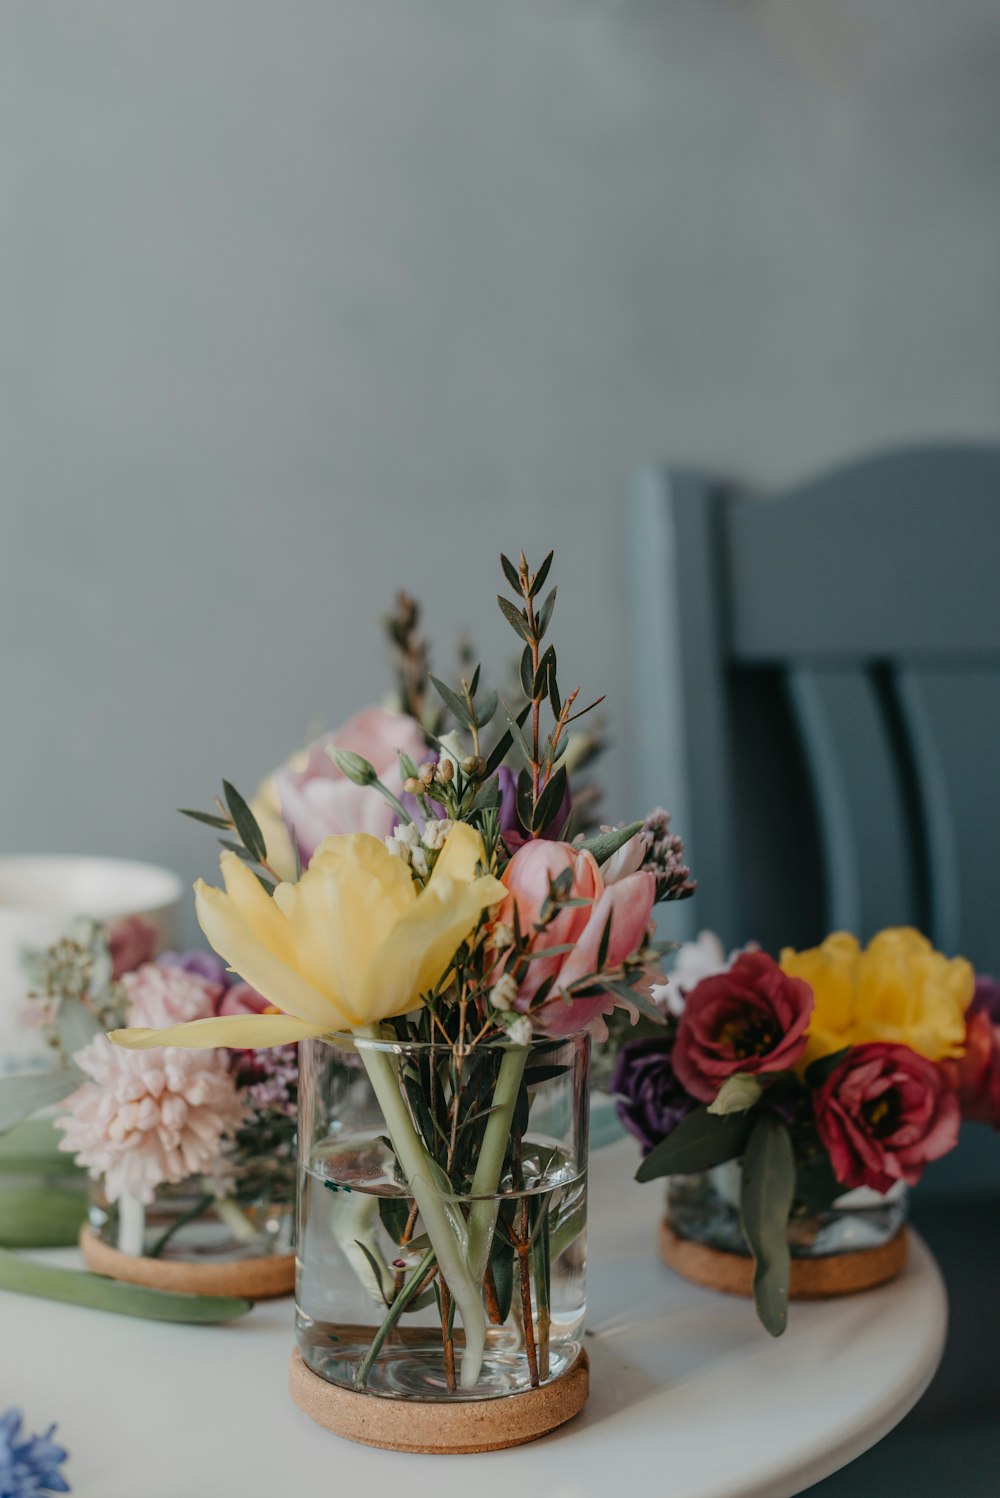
<point>689,1396</point>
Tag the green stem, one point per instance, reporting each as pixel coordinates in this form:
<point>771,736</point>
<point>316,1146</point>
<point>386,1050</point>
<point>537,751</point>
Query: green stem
<point>393,1314</point>
<point>485,1206</point>
<point>443,1221</point>
<point>201,1205</point>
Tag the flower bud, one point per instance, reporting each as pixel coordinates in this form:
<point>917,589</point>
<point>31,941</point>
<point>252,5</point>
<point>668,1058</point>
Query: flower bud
<point>353,766</point>
<point>519,1031</point>
<point>504,992</point>
<point>446,771</point>
<point>412,786</point>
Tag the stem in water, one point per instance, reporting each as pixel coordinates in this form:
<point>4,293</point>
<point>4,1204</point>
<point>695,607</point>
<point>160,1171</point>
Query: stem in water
<point>485,1207</point>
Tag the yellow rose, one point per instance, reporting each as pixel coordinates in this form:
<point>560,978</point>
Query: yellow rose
<point>898,989</point>
<point>353,942</point>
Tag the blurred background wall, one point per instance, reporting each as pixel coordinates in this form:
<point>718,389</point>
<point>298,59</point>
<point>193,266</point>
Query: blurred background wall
<point>301,302</point>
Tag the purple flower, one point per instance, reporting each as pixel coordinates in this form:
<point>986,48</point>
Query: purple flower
<point>512,829</point>
<point>986,998</point>
<point>204,964</point>
<point>651,1100</point>
<point>29,1464</point>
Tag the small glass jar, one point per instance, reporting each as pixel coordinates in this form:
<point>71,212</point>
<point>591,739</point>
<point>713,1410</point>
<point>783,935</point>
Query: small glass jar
<point>442,1214</point>
<point>704,1207</point>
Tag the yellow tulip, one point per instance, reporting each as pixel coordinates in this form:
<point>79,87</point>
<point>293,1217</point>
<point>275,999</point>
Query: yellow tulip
<point>355,941</point>
<point>899,989</point>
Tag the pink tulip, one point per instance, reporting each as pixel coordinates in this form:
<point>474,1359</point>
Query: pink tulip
<point>317,800</point>
<point>628,903</point>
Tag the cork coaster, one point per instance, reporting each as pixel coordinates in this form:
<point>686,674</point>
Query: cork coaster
<point>440,1428</point>
<point>811,1279</point>
<point>251,1279</point>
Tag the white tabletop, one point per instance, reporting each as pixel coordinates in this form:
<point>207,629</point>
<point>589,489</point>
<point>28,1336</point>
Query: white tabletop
<point>684,1384</point>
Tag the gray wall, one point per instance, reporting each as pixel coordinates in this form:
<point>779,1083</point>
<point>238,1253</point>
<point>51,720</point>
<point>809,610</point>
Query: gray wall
<point>302,301</point>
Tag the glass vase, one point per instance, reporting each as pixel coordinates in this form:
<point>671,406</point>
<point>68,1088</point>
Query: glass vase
<point>704,1207</point>
<point>442,1213</point>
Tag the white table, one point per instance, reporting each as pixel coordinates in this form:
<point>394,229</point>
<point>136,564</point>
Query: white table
<point>688,1394</point>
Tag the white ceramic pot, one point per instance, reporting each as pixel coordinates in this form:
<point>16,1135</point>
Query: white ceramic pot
<point>40,898</point>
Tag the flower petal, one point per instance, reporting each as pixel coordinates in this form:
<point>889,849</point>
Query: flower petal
<point>244,1031</point>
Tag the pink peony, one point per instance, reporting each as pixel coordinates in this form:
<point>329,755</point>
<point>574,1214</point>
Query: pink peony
<point>628,903</point>
<point>161,996</point>
<point>317,800</point>
<point>150,1118</point>
<point>883,1114</point>
<point>752,1019</point>
<point>132,940</point>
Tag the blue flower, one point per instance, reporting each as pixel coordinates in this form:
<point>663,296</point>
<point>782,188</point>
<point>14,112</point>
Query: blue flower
<point>29,1464</point>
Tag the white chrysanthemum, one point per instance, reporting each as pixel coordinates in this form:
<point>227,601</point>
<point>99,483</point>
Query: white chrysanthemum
<point>149,1118</point>
<point>435,833</point>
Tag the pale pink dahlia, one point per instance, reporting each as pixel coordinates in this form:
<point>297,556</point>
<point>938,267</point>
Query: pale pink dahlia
<point>150,1118</point>
<point>161,996</point>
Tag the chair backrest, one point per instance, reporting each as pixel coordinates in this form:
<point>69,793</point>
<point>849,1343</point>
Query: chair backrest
<point>819,685</point>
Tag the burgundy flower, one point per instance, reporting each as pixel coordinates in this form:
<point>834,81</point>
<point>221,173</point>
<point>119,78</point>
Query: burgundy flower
<point>975,1076</point>
<point>751,1019</point>
<point>132,941</point>
<point>883,1113</point>
<point>650,1100</point>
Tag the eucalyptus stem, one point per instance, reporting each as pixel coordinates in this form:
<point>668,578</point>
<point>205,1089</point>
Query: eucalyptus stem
<point>201,1205</point>
<point>393,1314</point>
<point>443,1222</point>
<point>485,1206</point>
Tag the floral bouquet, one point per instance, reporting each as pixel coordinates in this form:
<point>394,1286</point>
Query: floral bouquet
<point>192,1152</point>
<point>413,905</point>
<point>777,1087</point>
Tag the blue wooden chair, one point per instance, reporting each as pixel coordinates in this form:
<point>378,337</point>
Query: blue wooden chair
<point>818,701</point>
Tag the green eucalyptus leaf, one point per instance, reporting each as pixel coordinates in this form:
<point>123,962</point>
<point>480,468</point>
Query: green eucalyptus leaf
<point>538,583</point>
<point>486,708</point>
<point>238,849</point>
<point>526,672</point>
<point>515,617</point>
<point>41,1216</point>
<point>245,822</point>
<point>699,1142</point>
<point>524,798</point>
<point>550,800</point>
<point>22,1096</point>
<point>502,1264</point>
<point>765,1203</point>
<point>207,817</point>
<point>510,572</point>
<point>488,796</point>
<point>79,1288</point>
<point>518,738</point>
<point>502,747</point>
<point>453,702</point>
<point>637,1000</point>
<point>545,614</point>
<point>604,844</point>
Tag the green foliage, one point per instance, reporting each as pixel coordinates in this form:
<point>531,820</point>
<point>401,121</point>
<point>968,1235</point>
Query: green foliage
<point>700,1141</point>
<point>765,1204</point>
<point>78,1288</point>
<point>245,823</point>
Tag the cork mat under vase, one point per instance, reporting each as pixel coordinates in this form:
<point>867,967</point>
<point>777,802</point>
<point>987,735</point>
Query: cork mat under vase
<point>817,1278</point>
<point>261,1278</point>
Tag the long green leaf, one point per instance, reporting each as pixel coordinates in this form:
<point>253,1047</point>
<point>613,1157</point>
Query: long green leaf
<point>453,702</point>
<point>40,1217</point>
<point>765,1202</point>
<point>245,822</point>
<point>80,1288</point>
<point>700,1141</point>
<point>605,843</point>
<point>22,1096</point>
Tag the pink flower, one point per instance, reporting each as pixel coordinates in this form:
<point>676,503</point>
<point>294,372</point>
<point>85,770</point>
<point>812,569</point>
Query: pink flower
<point>627,903</point>
<point>975,1077</point>
<point>883,1113</point>
<point>132,940</point>
<point>150,1118</point>
<point>317,800</point>
<point>240,998</point>
<point>161,996</point>
<point>751,1019</point>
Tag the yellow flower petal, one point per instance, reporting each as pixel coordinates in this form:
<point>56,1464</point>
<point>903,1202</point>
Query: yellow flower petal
<point>243,1031</point>
<point>462,851</point>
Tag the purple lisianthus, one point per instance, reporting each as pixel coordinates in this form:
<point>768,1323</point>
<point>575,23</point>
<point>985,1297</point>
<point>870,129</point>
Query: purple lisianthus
<point>29,1465</point>
<point>986,998</point>
<point>203,964</point>
<point>512,829</point>
<point>650,1100</point>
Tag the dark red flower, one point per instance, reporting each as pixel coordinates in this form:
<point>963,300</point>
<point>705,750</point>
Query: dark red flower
<point>975,1076</point>
<point>752,1019</point>
<point>883,1113</point>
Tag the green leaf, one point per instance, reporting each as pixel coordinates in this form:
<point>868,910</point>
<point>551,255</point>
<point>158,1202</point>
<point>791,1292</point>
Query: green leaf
<point>510,572</point>
<point>237,848</point>
<point>395,1215</point>
<point>373,1265</point>
<point>817,1071</point>
<point>517,737</point>
<point>515,617</point>
<point>474,683</point>
<point>550,800</point>
<point>523,798</point>
<point>503,744</point>
<point>207,817</point>
<point>41,1216</point>
<point>79,1288</point>
<point>604,844</point>
<point>602,951</point>
<point>502,1264</point>
<point>700,1140</point>
<point>488,796</point>
<point>816,1186</point>
<point>539,579</point>
<point>539,684</point>
<point>765,1203</point>
<point>640,1001</point>
<point>76,1025</point>
<point>526,671</point>
<point>486,708</point>
<point>245,822</point>
<point>453,702</point>
<point>545,614</point>
<point>22,1096</point>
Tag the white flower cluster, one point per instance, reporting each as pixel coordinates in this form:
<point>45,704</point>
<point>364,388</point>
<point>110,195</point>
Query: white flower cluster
<point>405,842</point>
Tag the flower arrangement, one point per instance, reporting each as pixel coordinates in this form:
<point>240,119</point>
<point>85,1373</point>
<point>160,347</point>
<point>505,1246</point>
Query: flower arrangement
<point>829,1070</point>
<point>142,1124</point>
<point>413,901</point>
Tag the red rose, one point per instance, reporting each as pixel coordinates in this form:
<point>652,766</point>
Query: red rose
<point>975,1076</point>
<point>883,1114</point>
<point>752,1018</point>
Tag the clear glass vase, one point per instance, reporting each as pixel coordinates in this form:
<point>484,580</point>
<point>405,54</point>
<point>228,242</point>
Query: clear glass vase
<point>441,1215</point>
<point>705,1208</point>
<point>193,1223</point>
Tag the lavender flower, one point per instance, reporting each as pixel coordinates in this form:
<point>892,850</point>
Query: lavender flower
<point>203,964</point>
<point>29,1464</point>
<point>665,858</point>
<point>986,998</point>
<point>651,1101</point>
<point>269,1080</point>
